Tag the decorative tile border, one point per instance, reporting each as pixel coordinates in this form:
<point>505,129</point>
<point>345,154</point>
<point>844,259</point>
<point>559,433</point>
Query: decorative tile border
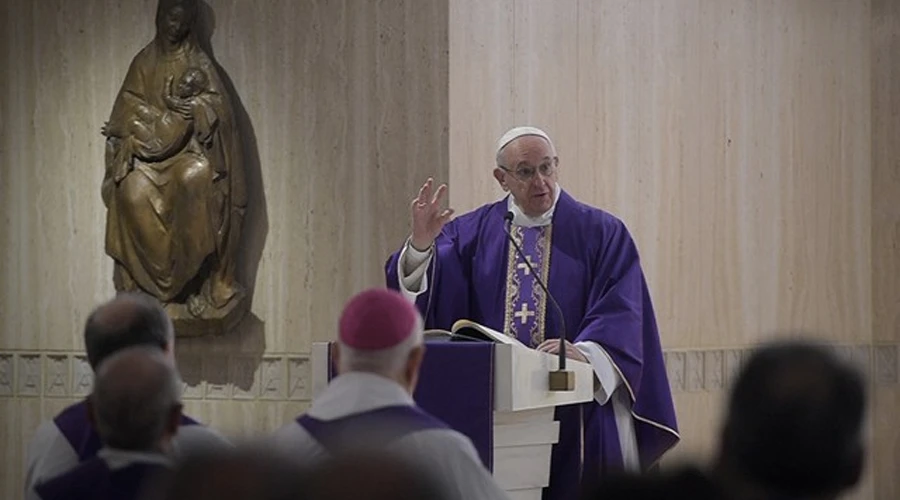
<point>886,366</point>
<point>287,377</point>
<point>710,370</point>
<point>7,374</point>
<point>82,376</point>
<point>28,375</point>
<point>213,376</point>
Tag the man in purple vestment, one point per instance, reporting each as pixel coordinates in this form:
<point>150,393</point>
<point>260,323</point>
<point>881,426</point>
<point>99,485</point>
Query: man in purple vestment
<point>136,408</point>
<point>131,319</point>
<point>466,268</point>
<point>369,406</point>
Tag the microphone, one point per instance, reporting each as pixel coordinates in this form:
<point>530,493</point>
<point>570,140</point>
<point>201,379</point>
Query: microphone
<point>560,380</point>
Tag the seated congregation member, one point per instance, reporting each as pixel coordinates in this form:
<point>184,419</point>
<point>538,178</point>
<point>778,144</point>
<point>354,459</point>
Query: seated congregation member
<point>369,405</point>
<point>681,483</point>
<point>376,476</point>
<point>794,428</point>
<point>68,439</point>
<point>793,431</point>
<point>244,473</point>
<point>136,409</point>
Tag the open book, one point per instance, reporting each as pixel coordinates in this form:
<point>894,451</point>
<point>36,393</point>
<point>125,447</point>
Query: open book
<point>466,330</point>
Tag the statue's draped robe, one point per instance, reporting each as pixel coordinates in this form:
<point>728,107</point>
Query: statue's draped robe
<point>168,216</point>
<point>595,275</point>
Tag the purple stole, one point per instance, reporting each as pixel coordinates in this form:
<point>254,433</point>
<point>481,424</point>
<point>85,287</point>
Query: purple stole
<point>94,480</point>
<point>376,427</point>
<point>526,302</point>
<point>75,425</point>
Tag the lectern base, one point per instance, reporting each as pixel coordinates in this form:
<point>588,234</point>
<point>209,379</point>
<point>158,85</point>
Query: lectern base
<point>523,442</point>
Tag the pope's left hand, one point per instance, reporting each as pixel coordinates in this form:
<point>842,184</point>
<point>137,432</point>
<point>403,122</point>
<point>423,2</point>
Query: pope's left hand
<point>552,346</point>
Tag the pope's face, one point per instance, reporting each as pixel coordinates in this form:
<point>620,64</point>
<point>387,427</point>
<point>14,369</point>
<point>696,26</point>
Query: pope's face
<point>528,169</point>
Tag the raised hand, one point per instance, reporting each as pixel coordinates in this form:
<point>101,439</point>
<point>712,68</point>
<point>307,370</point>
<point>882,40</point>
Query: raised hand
<point>428,218</point>
<point>551,346</point>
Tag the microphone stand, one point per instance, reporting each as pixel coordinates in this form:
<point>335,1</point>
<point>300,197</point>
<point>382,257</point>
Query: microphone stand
<point>560,379</point>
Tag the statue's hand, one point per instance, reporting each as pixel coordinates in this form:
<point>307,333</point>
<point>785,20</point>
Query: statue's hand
<point>105,129</point>
<point>180,107</point>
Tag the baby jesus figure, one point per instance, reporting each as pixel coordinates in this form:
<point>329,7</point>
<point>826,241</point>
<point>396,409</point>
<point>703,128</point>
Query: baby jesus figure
<point>153,135</point>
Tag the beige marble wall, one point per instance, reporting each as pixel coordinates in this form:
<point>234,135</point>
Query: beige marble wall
<point>735,138</point>
<point>732,137</point>
<point>347,102</point>
<point>886,235</point>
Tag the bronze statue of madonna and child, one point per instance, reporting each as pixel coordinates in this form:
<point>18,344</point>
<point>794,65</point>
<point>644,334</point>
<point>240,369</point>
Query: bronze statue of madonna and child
<point>174,185</point>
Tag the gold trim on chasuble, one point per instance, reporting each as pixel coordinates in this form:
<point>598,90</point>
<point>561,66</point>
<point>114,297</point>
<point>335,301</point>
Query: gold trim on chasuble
<point>513,283</point>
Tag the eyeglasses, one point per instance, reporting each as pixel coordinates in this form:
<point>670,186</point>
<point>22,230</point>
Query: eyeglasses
<point>526,174</point>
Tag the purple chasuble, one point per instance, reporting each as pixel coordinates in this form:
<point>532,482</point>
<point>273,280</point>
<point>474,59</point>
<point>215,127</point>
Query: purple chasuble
<point>594,273</point>
<point>75,425</point>
<point>93,480</point>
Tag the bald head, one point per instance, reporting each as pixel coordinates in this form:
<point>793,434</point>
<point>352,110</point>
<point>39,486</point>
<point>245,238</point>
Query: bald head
<point>130,319</point>
<point>136,403</point>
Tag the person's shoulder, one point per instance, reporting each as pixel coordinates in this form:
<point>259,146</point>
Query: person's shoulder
<point>75,482</point>
<point>591,218</point>
<point>452,443</point>
<point>74,409</point>
<point>49,435</point>
<point>589,212</point>
<point>294,442</point>
<point>49,454</point>
<point>47,428</point>
<point>197,438</point>
<point>452,458</point>
<point>290,432</point>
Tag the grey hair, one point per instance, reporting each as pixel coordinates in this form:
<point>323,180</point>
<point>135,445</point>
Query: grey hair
<point>135,391</point>
<point>386,362</point>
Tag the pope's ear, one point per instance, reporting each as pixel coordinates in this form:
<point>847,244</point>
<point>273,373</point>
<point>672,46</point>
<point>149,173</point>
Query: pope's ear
<point>500,175</point>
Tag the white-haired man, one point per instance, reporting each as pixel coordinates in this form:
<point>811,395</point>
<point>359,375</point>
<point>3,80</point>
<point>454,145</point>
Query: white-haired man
<point>369,405</point>
<point>466,268</point>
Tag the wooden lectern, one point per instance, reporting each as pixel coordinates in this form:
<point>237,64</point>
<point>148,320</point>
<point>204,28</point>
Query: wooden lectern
<point>523,430</point>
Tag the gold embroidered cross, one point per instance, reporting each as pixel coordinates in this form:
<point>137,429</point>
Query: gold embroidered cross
<point>523,266</point>
<point>524,313</point>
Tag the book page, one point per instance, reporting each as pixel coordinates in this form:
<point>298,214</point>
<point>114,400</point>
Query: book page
<point>488,332</point>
